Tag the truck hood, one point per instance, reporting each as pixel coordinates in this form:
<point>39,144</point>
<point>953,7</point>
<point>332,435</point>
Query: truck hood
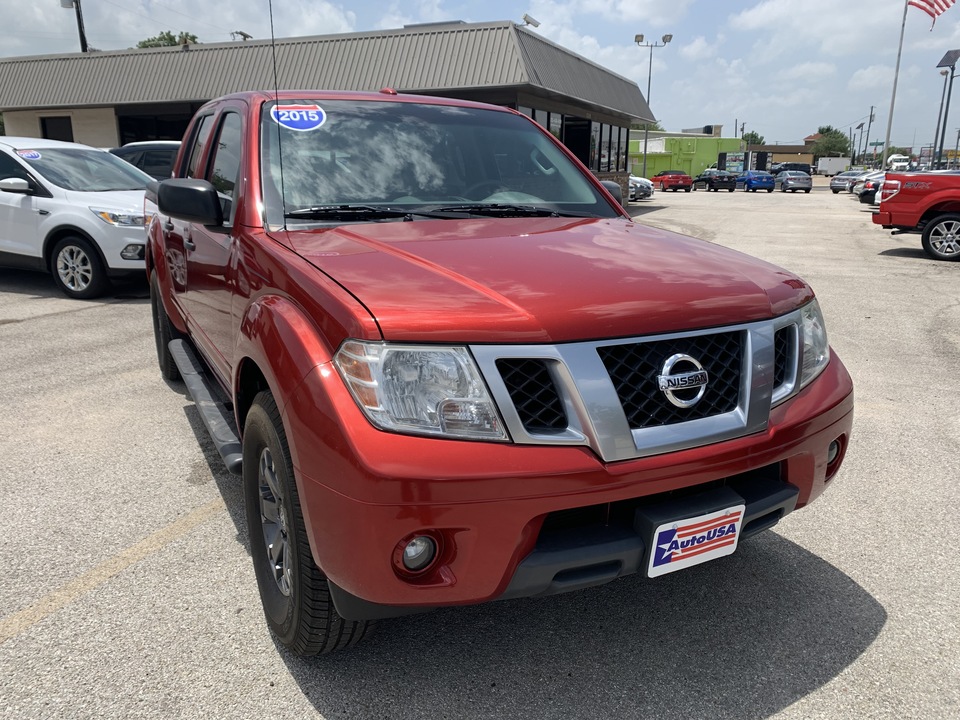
<point>543,280</point>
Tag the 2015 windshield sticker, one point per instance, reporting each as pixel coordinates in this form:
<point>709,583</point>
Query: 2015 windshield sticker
<point>29,154</point>
<point>298,117</point>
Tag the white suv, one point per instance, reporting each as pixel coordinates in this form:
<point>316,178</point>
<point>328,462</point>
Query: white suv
<point>71,210</point>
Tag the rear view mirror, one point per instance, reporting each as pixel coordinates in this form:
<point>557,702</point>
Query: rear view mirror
<point>614,189</point>
<point>190,200</point>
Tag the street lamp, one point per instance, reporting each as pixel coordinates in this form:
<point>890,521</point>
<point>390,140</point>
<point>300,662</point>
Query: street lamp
<point>646,128</point>
<point>936,133</point>
<point>75,4</point>
<point>949,61</point>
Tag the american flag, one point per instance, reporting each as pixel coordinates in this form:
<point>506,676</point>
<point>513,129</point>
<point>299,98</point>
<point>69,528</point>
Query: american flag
<point>933,8</point>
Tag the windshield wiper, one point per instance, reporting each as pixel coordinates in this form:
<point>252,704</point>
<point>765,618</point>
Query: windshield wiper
<point>498,210</point>
<point>506,210</point>
<point>346,212</point>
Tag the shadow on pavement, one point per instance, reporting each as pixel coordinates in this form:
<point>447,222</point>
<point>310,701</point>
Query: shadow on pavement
<point>643,207</point>
<point>41,285</point>
<point>907,252</point>
<point>742,637</point>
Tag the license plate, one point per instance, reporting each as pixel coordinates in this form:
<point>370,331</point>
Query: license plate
<point>684,543</point>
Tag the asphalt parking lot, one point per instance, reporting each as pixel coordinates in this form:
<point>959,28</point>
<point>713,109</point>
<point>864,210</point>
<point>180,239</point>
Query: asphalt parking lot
<point>127,590</point>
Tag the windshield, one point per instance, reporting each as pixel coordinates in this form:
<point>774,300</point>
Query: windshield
<point>412,157</point>
<point>85,170</point>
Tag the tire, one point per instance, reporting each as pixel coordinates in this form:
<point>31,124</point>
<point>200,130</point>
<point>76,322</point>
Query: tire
<point>686,189</point>
<point>77,269</point>
<point>941,238</point>
<point>835,192</point>
<point>769,189</point>
<point>293,590</point>
<point>806,190</point>
<point>731,189</point>
<point>163,332</point>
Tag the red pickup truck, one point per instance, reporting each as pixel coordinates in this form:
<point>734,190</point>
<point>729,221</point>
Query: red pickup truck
<point>925,203</point>
<point>450,368</point>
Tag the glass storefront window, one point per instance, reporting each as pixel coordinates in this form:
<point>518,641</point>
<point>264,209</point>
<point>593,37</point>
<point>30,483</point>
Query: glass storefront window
<point>556,125</point>
<point>604,148</point>
<point>594,163</point>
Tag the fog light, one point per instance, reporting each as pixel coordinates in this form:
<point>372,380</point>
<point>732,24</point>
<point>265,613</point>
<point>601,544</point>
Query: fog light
<point>419,553</point>
<point>132,252</point>
<point>833,451</point>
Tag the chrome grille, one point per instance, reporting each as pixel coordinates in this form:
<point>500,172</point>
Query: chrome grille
<point>634,369</point>
<point>534,394</point>
<point>782,353</point>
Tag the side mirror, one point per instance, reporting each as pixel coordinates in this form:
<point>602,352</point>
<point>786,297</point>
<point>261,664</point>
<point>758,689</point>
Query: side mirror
<point>614,189</point>
<point>15,185</point>
<point>194,201</point>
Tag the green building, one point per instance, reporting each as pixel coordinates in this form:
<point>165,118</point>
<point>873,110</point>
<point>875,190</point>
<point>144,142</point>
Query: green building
<point>691,153</point>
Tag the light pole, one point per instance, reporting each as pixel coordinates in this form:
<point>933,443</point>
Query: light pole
<point>856,147</point>
<point>949,61</point>
<point>75,4</point>
<point>646,128</point>
<point>936,133</point>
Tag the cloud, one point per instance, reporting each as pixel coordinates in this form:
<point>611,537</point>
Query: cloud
<point>700,49</point>
<point>810,71</point>
<point>872,77</point>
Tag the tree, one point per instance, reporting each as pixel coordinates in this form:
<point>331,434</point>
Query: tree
<point>655,126</point>
<point>832,143</point>
<point>167,39</point>
<point>752,138</point>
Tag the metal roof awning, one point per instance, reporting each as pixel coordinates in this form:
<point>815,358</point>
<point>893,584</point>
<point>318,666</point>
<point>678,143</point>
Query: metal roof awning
<point>428,59</point>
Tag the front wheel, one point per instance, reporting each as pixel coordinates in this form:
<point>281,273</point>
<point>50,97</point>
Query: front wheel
<point>77,269</point>
<point>293,590</point>
<point>730,189</point>
<point>163,332</point>
<point>769,189</point>
<point>686,189</point>
<point>806,190</point>
<point>941,238</point>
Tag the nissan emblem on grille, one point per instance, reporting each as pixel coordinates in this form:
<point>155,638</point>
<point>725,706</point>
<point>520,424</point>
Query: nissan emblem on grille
<point>683,380</point>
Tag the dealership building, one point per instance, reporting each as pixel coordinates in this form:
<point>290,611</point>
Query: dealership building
<point>111,98</point>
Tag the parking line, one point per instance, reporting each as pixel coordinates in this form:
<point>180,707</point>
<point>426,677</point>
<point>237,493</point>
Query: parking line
<point>28,617</point>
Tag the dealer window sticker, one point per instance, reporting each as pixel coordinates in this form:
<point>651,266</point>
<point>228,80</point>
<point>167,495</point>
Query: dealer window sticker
<point>302,118</point>
<point>29,154</point>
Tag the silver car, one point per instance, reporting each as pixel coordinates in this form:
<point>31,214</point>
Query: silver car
<point>793,180</point>
<point>841,182</point>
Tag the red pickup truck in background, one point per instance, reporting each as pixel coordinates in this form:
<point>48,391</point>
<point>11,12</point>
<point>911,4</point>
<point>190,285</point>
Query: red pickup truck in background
<point>450,368</point>
<point>925,203</point>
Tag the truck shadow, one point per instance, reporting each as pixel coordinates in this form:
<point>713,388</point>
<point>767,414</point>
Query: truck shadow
<point>740,638</point>
<point>905,252</point>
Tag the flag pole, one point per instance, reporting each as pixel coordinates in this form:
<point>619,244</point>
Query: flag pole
<point>896,76</point>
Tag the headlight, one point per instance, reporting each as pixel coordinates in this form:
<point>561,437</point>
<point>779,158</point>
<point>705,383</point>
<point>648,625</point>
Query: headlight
<point>118,217</point>
<point>816,350</point>
<point>422,390</point>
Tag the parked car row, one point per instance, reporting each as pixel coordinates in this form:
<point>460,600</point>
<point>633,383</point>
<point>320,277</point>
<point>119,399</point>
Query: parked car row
<point>640,188</point>
<point>71,210</point>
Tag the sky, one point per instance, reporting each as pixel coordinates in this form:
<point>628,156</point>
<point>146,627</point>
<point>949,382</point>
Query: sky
<point>781,68</point>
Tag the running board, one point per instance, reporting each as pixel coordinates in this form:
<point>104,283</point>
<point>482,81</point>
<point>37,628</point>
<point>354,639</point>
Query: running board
<point>217,418</point>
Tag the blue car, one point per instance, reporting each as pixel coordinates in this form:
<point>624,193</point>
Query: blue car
<point>753,180</point>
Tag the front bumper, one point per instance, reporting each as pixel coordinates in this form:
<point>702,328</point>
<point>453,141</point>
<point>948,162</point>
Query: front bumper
<point>515,520</point>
